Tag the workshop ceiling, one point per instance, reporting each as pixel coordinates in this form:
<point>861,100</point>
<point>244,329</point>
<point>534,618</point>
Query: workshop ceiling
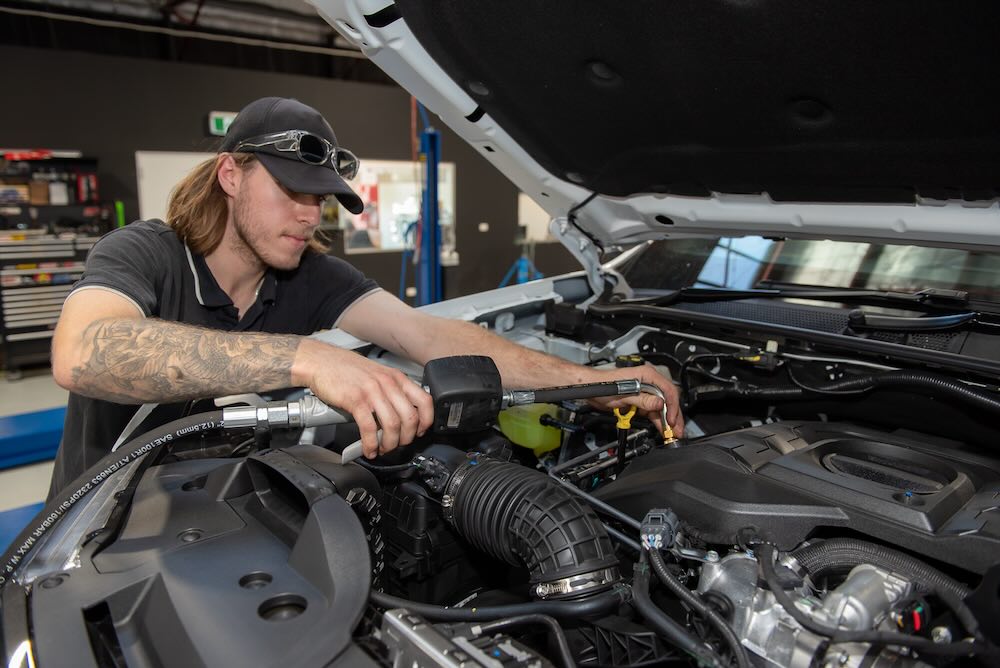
<point>275,35</point>
<point>293,21</point>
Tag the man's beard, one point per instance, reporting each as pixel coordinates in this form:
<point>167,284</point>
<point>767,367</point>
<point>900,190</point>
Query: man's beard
<point>248,238</point>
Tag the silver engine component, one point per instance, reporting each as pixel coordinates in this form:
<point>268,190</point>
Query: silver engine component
<point>864,598</point>
<point>862,602</point>
<point>413,642</point>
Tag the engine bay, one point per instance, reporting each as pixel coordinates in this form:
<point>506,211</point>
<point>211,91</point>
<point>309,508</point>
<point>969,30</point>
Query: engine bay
<point>826,508</point>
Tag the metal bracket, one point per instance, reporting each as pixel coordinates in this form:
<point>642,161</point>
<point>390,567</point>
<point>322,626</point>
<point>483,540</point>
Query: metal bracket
<point>623,344</point>
<point>582,248</point>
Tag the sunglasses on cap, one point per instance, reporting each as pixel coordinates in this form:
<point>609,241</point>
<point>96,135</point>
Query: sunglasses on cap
<point>308,148</point>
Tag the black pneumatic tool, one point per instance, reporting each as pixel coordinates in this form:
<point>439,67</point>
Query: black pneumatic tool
<point>468,395</point>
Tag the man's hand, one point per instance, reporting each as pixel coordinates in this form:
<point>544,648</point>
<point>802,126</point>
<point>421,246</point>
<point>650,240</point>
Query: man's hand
<point>377,396</point>
<point>646,403</point>
<point>395,326</point>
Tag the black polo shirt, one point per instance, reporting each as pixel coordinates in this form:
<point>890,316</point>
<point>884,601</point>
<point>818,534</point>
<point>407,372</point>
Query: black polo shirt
<point>147,264</point>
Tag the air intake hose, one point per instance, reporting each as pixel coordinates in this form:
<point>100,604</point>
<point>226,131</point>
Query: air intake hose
<point>524,518</point>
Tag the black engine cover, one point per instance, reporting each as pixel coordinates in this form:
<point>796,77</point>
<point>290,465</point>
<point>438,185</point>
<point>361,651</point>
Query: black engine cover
<point>789,479</point>
<point>253,562</point>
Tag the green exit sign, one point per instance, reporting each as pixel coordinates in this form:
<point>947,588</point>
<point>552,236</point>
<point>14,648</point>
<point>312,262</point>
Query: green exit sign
<point>219,122</point>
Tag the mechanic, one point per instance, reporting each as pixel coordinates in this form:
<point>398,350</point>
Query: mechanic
<point>218,299</point>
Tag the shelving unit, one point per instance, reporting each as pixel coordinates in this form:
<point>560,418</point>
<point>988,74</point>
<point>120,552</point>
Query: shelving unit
<point>37,273</point>
<point>43,246</point>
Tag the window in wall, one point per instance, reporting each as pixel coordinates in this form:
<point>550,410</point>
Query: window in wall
<point>532,222</point>
<point>391,191</point>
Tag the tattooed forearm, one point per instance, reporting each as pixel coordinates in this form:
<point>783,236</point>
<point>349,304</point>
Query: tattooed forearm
<point>135,361</point>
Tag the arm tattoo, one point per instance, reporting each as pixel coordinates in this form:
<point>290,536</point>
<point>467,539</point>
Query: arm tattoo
<point>133,361</point>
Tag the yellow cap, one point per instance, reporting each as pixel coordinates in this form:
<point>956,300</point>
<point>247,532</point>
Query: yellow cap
<point>624,419</point>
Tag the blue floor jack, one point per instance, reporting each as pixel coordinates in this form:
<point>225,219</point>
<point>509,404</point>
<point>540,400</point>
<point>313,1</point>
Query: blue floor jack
<point>523,269</point>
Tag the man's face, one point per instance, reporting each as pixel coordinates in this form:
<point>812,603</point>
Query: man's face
<point>273,225</point>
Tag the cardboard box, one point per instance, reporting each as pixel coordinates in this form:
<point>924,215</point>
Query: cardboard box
<point>38,192</point>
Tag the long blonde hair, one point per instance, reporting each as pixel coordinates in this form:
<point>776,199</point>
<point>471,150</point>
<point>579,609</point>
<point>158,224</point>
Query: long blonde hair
<point>197,209</point>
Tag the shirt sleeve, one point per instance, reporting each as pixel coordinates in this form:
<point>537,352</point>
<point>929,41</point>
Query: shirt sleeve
<point>132,261</point>
<point>337,285</point>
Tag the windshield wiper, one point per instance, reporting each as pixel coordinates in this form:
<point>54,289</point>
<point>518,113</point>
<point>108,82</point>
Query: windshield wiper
<point>863,320</point>
<point>930,298</point>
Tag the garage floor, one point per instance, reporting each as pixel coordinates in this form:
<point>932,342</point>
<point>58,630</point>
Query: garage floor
<point>22,489</point>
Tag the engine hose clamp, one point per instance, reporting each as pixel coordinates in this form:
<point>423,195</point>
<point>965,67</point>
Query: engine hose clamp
<point>576,585</point>
<point>451,489</point>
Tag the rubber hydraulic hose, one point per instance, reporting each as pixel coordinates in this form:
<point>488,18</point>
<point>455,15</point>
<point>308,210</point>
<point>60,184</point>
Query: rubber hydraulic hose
<point>553,395</point>
<point>661,623</point>
<point>524,517</point>
<point>97,474</point>
<point>843,554</point>
<point>694,601</point>
<point>592,606</point>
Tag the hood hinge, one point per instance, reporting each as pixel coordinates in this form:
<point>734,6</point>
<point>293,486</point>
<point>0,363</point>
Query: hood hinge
<point>600,278</point>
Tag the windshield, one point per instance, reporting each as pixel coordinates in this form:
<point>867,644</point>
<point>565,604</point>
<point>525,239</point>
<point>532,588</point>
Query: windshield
<point>749,262</point>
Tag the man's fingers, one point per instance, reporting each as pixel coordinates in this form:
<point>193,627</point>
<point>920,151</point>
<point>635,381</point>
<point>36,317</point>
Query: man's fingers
<point>422,402</point>
<point>675,418</point>
<point>649,405</point>
<point>369,432</point>
<point>643,402</point>
<point>390,422</point>
<point>406,412</point>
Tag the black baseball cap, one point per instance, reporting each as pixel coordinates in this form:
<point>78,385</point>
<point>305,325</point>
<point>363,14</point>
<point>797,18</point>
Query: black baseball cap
<point>279,114</point>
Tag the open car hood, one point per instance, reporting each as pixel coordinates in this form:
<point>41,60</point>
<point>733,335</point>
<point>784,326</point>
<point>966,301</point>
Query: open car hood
<point>872,121</point>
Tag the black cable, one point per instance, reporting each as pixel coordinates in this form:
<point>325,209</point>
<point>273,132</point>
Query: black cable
<point>694,368</point>
<point>766,554</point>
<point>820,390</point>
<point>520,620</point>
<point>661,623</point>
<point>935,383</point>
<point>667,356</point>
<point>587,456</point>
<point>598,604</point>
<point>695,602</point>
<point>621,537</point>
<point>244,445</point>
<point>579,459</point>
<point>383,468</point>
<point>97,474</point>
<point>571,214</point>
<point>571,217</point>
<point>682,374</point>
<point>601,506</point>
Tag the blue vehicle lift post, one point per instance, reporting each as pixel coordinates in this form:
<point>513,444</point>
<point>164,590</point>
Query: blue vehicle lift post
<point>429,264</point>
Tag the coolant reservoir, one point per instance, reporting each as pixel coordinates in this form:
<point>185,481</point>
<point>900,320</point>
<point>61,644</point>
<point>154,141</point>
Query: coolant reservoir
<point>521,425</point>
